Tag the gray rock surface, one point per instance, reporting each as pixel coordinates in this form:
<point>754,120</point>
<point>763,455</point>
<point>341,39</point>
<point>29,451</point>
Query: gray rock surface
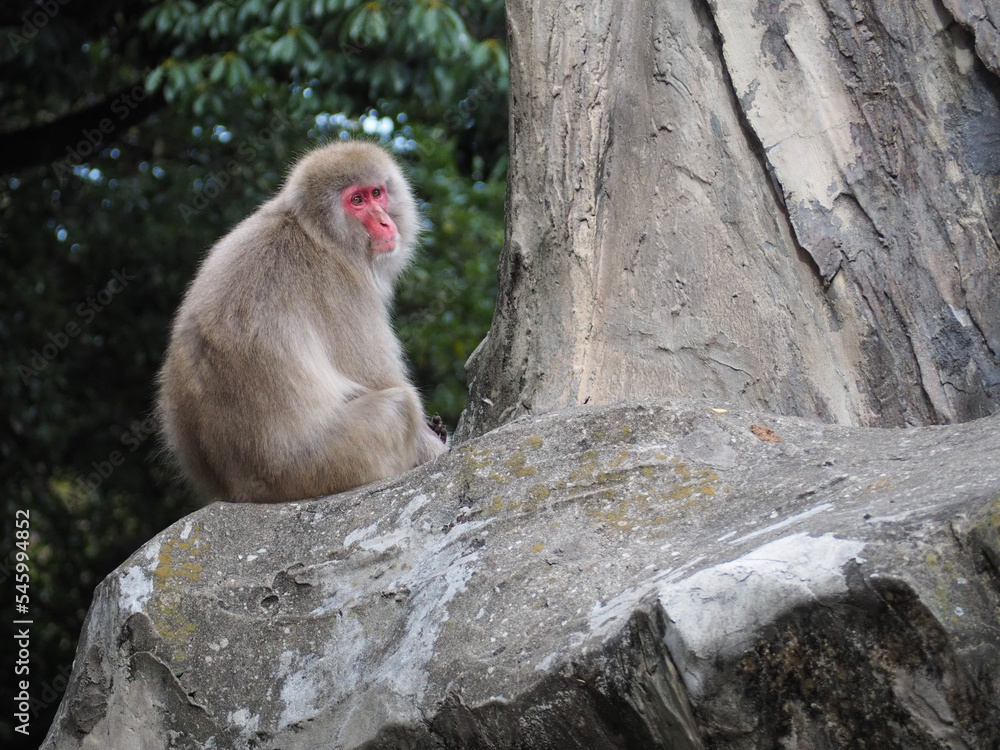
<point>645,575</point>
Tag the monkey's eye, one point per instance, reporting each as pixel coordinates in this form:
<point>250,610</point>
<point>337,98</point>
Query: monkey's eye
<point>376,192</point>
<point>357,200</point>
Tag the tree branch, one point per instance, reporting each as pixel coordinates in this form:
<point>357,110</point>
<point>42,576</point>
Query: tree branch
<point>71,139</point>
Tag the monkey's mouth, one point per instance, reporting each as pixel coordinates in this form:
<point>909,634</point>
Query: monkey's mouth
<point>383,246</point>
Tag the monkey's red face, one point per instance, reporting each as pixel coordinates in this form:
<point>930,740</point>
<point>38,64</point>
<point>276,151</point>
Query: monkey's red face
<point>368,204</point>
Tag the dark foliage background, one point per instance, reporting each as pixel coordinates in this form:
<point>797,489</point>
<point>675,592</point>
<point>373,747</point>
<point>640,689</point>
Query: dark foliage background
<point>133,135</point>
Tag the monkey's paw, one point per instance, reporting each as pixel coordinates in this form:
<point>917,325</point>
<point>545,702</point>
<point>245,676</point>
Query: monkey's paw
<point>437,427</point>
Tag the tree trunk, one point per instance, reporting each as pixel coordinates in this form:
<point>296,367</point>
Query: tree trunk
<point>789,206</point>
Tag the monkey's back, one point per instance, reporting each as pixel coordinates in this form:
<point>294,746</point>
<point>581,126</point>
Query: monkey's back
<point>274,334</point>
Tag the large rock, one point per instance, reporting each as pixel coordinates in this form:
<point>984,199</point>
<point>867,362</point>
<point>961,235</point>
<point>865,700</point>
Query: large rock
<point>645,575</point>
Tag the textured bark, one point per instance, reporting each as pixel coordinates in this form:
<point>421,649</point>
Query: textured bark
<point>982,18</point>
<point>790,205</point>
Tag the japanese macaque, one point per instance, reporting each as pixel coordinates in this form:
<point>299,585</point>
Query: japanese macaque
<point>283,378</point>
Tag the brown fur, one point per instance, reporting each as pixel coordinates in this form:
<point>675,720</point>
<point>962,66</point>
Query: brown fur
<point>283,378</point>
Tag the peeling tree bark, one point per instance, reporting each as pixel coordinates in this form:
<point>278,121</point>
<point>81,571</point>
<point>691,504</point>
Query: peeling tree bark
<point>789,206</point>
<point>982,18</point>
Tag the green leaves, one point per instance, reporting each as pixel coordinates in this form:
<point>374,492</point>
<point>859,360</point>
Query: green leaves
<point>252,13</point>
<point>418,55</point>
<point>491,55</point>
<point>230,70</point>
<point>177,18</point>
<point>220,19</point>
<point>437,24</point>
<point>181,77</point>
<point>249,85</point>
<point>168,17</point>
<point>367,26</point>
<point>285,49</point>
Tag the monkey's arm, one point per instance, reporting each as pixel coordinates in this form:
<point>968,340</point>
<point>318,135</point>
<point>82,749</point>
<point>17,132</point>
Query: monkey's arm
<point>433,440</point>
<point>374,436</point>
<point>437,427</point>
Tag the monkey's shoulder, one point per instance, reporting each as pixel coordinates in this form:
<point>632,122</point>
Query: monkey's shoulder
<point>262,251</point>
<point>270,234</point>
